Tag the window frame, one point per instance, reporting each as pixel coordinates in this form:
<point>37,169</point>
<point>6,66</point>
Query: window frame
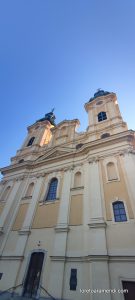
<point>125,208</point>
<point>31,139</point>
<point>105,135</point>
<point>102,116</point>
<point>73,287</point>
<point>48,191</point>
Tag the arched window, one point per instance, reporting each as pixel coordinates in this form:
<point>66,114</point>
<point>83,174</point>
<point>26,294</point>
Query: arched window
<point>5,193</point>
<point>102,116</point>
<point>77,179</point>
<point>30,190</point>
<point>119,211</point>
<point>105,135</point>
<point>51,195</point>
<point>111,171</point>
<point>31,141</point>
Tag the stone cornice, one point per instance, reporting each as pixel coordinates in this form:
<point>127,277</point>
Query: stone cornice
<point>94,258</point>
<point>11,257</point>
<point>90,146</point>
<point>97,224</point>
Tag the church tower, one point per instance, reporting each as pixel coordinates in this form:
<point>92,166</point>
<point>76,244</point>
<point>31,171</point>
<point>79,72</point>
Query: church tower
<point>39,135</point>
<point>104,115</point>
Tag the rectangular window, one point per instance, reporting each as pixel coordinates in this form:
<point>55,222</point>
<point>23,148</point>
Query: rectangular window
<point>73,279</point>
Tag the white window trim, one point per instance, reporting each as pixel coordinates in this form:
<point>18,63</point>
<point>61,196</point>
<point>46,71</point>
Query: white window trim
<point>46,188</point>
<point>112,212</point>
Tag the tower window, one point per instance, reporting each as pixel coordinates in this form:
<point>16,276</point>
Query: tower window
<point>31,141</point>
<point>73,280</point>
<point>21,161</point>
<point>78,146</point>
<point>105,135</point>
<point>119,211</point>
<point>102,116</point>
<point>51,195</point>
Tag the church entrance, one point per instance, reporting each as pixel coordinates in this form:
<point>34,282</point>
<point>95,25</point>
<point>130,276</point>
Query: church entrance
<point>33,275</point>
<point>129,287</point>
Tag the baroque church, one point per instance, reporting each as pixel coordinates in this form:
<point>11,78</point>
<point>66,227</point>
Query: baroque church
<point>67,209</point>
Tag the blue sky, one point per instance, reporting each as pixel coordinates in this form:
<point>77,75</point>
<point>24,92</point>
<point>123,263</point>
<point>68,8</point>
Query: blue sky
<point>57,53</point>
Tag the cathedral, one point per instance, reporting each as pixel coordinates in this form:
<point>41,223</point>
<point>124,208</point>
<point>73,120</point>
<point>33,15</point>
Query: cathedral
<point>67,209</point>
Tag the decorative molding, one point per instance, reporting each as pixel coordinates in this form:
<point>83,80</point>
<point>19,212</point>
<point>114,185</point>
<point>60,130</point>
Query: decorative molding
<point>94,258</point>
<point>11,257</point>
<point>61,228</point>
<point>97,223</point>
<point>93,159</point>
<point>41,174</point>
<point>26,198</point>
<point>77,188</point>
<point>24,231</point>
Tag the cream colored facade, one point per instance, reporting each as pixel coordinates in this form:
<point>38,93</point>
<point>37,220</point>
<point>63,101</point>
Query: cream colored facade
<point>77,230</point>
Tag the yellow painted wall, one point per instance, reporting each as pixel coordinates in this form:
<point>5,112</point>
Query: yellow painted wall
<point>76,210</point>
<point>115,189</point>
<point>20,217</point>
<point>46,215</point>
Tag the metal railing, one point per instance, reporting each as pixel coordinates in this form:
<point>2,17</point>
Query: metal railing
<point>12,289</point>
<point>44,290</point>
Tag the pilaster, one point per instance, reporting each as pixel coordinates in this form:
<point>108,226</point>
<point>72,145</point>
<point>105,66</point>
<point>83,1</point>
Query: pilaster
<point>25,230</point>
<point>97,237</point>
<point>60,242</point>
<point>128,165</point>
<point>9,204</point>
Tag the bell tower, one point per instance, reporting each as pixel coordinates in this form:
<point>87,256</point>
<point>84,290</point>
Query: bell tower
<point>39,135</point>
<point>104,114</point>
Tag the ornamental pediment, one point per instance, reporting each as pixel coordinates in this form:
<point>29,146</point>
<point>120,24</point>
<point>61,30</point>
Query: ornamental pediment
<point>55,153</point>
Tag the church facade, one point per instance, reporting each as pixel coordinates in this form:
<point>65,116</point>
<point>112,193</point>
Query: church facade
<point>67,209</point>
